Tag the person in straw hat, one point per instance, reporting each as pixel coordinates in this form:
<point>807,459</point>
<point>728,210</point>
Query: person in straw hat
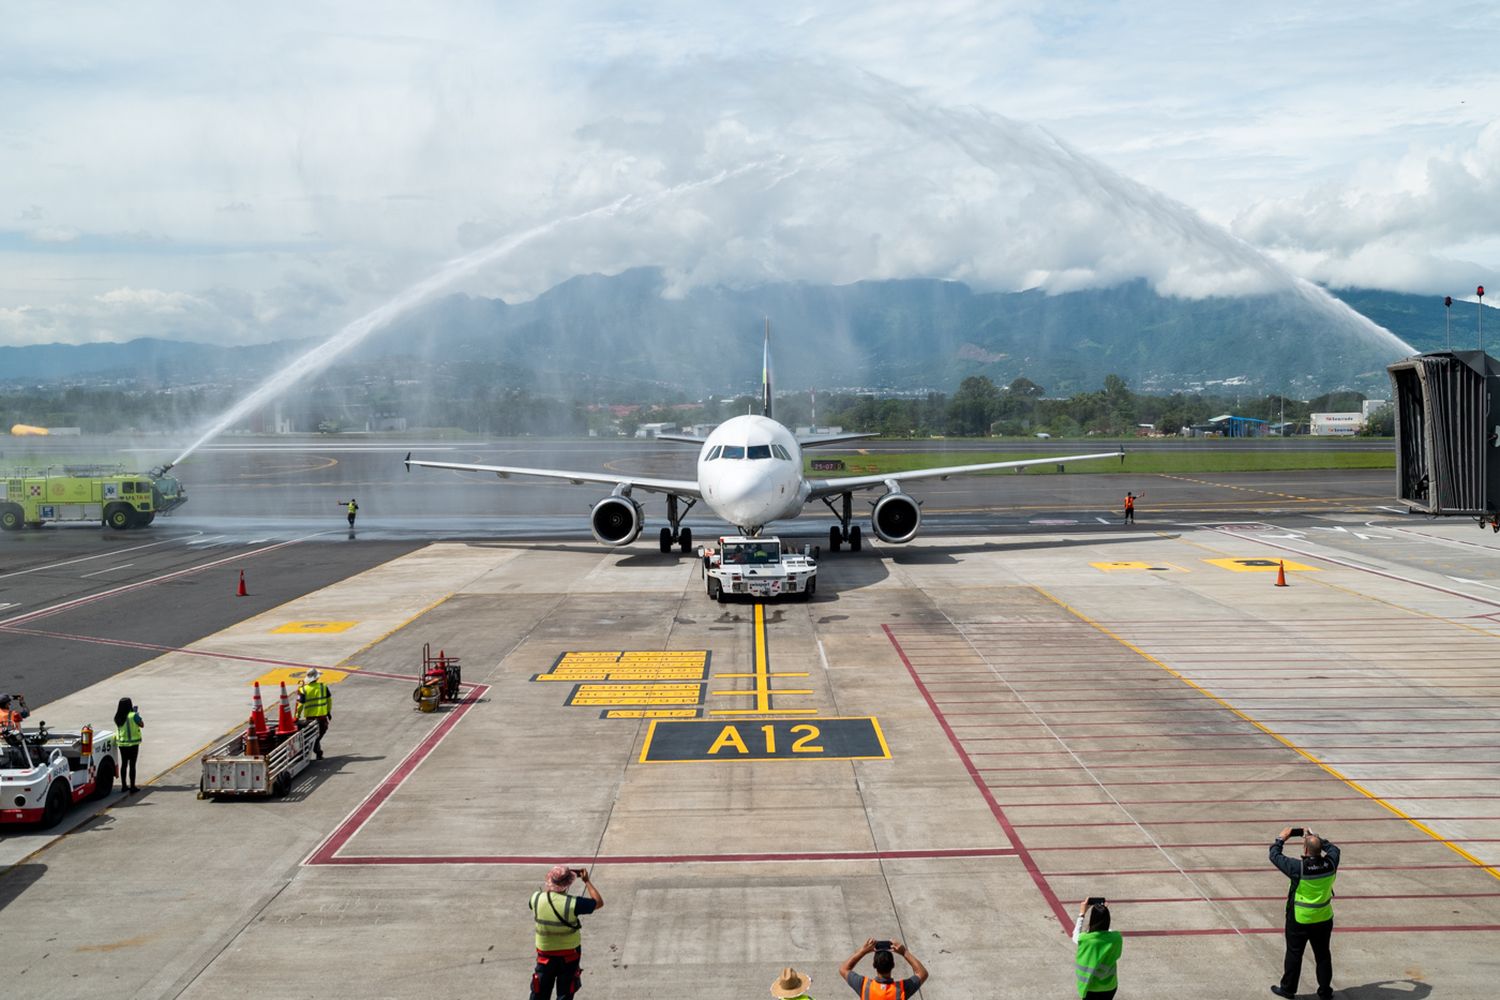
<point>559,944</point>
<point>791,985</point>
<point>315,702</point>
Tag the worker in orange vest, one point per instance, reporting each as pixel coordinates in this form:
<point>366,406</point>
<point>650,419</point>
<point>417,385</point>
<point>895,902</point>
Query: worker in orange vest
<point>13,711</point>
<point>1130,499</point>
<point>883,987</point>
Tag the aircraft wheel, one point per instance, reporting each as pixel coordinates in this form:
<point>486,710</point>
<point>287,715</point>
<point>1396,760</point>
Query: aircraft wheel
<point>835,538</point>
<point>855,542</point>
<point>666,540</point>
<point>685,541</point>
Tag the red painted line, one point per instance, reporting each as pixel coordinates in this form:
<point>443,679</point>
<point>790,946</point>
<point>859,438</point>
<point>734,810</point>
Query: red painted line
<point>1467,866</point>
<point>1238,731</point>
<point>1386,818</point>
<point>1262,843</point>
<point>1170,764</point>
<point>1199,802</point>
<point>548,860</point>
<point>324,853</point>
<point>1223,781</point>
<point>1414,929</point>
<point>209,654</point>
<point>1229,748</point>
<point>1343,897</point>
<point>1021,852</point>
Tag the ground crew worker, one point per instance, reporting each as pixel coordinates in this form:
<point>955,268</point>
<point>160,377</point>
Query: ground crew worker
<point>883,987</point>
<point>13,711</point>
<point>315,702</point>
<point>353,509</point>
<point>1309,908</point>
<point>559,941</point>
<point>1098,953</point>
<point>1130,499</point>
<point>128,738</point>
<point>791,985</point>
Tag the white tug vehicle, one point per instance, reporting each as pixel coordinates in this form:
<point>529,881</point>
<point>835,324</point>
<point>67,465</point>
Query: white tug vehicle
<point>43,772</point>
<point>758,567</point>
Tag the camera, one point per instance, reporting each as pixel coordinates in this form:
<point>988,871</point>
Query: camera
<point>882,946</point>
<point>1095,901</point>
<point>1295,831</point>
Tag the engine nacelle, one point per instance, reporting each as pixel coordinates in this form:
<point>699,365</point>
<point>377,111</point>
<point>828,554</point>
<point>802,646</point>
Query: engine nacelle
<point>616,520</point>
<point>896,518</point>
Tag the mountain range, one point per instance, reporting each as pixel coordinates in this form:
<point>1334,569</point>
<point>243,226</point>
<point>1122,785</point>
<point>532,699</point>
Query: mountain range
<point>903,336</point>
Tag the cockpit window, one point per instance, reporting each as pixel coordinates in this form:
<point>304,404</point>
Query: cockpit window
<point>713,452</point>
<point>760,451</point>
<point>781,453</point>
<point>733,451</point>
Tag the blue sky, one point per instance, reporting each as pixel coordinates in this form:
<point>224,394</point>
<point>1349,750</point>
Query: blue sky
<point>238,173</point>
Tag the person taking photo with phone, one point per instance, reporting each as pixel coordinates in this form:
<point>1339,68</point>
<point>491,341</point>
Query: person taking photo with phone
<point>559,941</point>
<point>883,987</point>
<point>1098,951</point>
<point>1309,908</point>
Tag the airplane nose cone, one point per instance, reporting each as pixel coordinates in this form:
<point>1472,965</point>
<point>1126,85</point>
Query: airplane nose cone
<point>741,497</point>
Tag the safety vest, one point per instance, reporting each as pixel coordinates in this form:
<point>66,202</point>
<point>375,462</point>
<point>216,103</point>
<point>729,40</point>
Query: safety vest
<point>128,733</point>
<point>873,990</point>
<point>1130,503</point>
<point>1313,901</point>
<point>557,923</point>
<point>353,506</point>
<point>1098,951</point>
<point>316,699</point>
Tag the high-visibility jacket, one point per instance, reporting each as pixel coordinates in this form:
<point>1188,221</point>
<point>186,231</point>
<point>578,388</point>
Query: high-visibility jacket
<point>353,506</point>
<point>316,700</point>
<point>557,923</point>
<point>1312,903</point>
<point>1098,951</point>
<point>128,733</point>
<point>1130,503</point>
<point>873,990</point>
<point>11,718</point>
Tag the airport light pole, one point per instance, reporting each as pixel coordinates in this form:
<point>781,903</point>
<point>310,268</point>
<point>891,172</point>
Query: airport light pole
<point>1447,322</point>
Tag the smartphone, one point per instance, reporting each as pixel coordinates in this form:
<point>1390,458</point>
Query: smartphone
<point>1096,901</point>
<point>1296,831</point>
<point>882,946</point>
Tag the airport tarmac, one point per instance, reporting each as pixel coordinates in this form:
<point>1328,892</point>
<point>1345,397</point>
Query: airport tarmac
<point>957,741</point>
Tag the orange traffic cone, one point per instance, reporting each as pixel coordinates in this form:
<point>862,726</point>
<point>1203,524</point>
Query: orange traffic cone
<point>258,714</point>
<point>1281,573</point>
<point>242,592</point>
<point>286,722</point>
<point>252,742</point>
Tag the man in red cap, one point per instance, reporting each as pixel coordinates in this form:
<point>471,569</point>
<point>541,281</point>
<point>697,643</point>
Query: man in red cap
<point>559,943</point>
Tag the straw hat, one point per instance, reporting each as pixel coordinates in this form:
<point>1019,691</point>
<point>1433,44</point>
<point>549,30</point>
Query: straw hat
<point>312,674</point>
<point>791,984</point>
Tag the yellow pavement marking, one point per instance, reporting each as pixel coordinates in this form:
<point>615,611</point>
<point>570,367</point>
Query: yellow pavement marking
<point>604,695</point>
<point>313,628</point>
<point>1258,565</point>
<point>1327,768</point>
<point>1113,567</point>
<point>292,676</point>
<point>651,713</point>
<point>774,673</point>
<point>629,665</point>
<point>824,738</point>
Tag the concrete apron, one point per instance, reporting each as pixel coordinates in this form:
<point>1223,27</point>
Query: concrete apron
<point>968,842</point>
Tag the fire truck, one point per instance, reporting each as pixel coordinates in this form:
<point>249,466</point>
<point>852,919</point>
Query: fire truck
<point>109,496</point>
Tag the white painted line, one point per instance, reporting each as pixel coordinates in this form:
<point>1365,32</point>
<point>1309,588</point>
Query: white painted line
<point>111,569</point>
<point>4,606</point>
<point>206,541</point>
<point>1104,520</point>
<point>102,555</point>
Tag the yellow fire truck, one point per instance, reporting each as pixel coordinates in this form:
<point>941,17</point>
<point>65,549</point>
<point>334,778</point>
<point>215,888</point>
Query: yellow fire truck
<point>113,497</point>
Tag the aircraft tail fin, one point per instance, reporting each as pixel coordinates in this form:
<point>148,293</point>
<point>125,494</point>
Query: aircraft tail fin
<point>765,372</point>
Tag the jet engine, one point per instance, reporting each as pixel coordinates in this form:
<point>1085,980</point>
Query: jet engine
<point>616,520</point>
<point>896,518</point>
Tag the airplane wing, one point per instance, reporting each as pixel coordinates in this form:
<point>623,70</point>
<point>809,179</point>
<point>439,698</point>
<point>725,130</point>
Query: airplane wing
<point>681,487</point>
<point>819,440</point>
<point>681,438</point>
<point>851,484</point>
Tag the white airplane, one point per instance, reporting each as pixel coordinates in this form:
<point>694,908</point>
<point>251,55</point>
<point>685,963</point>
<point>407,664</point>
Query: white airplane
<point>750,474</point>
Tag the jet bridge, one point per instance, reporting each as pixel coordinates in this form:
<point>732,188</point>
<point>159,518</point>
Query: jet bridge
<point>1446,425</point>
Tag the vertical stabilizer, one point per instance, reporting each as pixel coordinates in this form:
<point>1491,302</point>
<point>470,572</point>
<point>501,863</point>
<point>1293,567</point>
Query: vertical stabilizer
<point>765,372</point>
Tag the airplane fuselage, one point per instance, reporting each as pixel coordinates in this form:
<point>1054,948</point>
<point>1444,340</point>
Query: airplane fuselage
<point>750,472</point>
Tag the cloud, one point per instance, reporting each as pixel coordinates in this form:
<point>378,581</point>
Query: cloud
<point>52,234</point>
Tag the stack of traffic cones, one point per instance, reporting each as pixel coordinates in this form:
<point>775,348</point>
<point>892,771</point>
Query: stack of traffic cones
<point>286,722</point>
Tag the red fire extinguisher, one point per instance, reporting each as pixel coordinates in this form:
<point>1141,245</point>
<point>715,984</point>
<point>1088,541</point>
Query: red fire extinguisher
<point>88,741</point>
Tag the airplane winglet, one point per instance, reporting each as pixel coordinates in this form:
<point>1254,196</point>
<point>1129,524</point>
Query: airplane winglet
<point>765,372</point>
<point>407,462</point>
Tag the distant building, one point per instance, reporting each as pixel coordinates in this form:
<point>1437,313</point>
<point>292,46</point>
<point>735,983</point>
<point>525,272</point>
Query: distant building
<point>1229,425</point>
<point>1336,424</point>
<point>808,430</point>
<point>1369,406</point>
<point>652,430</point>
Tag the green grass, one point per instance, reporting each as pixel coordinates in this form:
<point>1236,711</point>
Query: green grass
<point>1180,463</point>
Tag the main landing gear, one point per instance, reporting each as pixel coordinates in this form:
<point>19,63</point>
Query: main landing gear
<point>844,532</point>
<point>676,534</point>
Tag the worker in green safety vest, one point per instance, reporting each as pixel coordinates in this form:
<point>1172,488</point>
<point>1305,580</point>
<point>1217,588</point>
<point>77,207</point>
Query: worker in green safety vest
<point>1094,964</point>
<point>315,703</point>
<point>1309,907</point>
<point>559,941</point>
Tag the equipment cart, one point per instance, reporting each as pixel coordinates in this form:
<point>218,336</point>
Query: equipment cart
<point>441,680</point>
<point>265,767</point>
